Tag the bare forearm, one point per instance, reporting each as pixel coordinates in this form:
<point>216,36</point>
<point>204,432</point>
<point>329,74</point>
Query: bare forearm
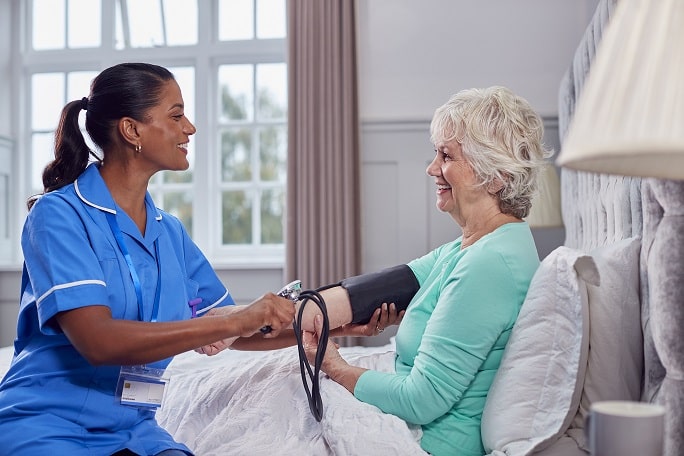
<point>128,342</point>
<point>333,364</point>
<point>338,308</point>
<point>345,374</point>
<point>256,342</point>
<point>102,339</point>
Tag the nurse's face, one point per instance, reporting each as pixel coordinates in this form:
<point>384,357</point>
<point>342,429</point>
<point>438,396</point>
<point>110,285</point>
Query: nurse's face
<point>166,131</point>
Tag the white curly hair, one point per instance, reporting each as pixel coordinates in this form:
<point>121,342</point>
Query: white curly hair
<point>502,139</point>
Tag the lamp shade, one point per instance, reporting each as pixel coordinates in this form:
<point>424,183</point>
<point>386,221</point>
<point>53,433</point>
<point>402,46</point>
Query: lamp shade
<point>546,205</point>
<point>629,118</point>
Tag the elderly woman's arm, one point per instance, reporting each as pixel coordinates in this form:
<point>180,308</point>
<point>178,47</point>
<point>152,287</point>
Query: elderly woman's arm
<point>454,349</point>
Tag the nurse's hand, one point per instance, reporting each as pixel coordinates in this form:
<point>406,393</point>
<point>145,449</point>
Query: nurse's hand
<point>269,310</point>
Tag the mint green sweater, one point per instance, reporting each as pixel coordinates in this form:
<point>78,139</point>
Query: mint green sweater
<point>450,343</point>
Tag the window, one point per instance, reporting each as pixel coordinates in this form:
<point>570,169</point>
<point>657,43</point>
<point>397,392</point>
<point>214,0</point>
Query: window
<point>252,152</point>
<point>228,57</point>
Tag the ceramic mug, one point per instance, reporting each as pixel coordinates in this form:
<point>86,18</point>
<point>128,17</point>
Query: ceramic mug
<point>625,428</point>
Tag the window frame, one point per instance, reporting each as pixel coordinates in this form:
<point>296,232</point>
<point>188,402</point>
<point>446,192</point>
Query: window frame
<point>6,184</point>
<point>206,57</point>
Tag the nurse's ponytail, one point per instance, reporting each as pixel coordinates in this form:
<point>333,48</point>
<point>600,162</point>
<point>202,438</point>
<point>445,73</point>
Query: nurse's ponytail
<point>71,151</point>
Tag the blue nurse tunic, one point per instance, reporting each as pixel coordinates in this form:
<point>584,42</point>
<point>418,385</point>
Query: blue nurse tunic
<point>52,401</point>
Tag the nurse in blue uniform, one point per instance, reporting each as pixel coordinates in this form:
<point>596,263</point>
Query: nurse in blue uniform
<point>111,283</point>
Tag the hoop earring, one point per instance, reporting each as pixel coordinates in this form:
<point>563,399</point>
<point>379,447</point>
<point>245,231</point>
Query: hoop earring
<point>138,148</point>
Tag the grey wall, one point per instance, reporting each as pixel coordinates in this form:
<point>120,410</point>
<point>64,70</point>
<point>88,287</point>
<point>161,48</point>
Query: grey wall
<point>413,54</point>
<point>399,218</point>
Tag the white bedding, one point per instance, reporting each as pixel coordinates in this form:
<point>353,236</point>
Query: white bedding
<point>238,403</point>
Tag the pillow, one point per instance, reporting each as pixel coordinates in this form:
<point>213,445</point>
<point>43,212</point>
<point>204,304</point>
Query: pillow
<point>616,349</point>
<point>536,391</point>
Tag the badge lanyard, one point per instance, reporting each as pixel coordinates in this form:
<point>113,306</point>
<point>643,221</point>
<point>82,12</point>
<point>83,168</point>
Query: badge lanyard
<point>139,386</point>
<point>114,225</point>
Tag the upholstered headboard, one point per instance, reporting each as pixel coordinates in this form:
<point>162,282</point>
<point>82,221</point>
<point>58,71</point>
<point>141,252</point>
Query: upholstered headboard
<point>600,210</point>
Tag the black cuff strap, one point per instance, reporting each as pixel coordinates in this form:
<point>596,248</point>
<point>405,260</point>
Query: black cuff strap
<point>367,292</point>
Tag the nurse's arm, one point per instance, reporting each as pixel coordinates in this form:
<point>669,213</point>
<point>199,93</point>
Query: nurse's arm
<point>339,314</point>
<point>383,317</point>
<point>103,340</point>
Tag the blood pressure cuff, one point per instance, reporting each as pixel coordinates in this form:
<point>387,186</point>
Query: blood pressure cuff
<point>367,292</point>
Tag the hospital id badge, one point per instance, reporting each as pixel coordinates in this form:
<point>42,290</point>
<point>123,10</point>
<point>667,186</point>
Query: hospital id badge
<point>141,386</point>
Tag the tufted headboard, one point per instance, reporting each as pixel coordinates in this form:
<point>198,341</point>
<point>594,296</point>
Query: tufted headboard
<point>601,209</point>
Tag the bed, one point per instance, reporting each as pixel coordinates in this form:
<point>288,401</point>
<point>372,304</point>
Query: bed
<point>603,316</point>
<point>601,321</point>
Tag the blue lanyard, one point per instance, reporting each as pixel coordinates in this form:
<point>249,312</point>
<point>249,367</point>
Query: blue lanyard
<point>114,225</point>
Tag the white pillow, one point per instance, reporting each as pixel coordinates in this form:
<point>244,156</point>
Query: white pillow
<point>616,349</point>
<point>536,391</point>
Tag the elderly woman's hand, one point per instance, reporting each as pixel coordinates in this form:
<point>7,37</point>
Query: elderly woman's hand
<point>310,341</point>
<point>384,316</point>
<point>218,346</point>
<point>333,364</point>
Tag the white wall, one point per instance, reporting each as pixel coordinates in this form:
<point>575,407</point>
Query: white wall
<point>413,54</point>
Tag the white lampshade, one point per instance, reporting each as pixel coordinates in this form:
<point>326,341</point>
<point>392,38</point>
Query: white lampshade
<point>629,118</point>
<point>546,205</point>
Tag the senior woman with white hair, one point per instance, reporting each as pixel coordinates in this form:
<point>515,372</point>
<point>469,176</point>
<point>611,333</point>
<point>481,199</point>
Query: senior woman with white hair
<point>461,299</point>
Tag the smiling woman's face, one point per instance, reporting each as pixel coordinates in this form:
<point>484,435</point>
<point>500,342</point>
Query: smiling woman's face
<point>166,131</point>
<point>459,192</point>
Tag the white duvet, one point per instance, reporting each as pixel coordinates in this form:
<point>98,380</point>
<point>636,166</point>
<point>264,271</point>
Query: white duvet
<point>254,403</point>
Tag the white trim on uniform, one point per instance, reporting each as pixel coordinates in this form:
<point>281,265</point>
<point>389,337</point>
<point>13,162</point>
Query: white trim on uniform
<point>225,295</point>
<point>70,285</point>
<point>80,195</point>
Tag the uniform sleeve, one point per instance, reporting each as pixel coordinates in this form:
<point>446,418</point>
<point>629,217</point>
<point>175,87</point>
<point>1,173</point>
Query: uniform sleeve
<point>210,289</point>
<point>476,303</point>
<point>62,266</point>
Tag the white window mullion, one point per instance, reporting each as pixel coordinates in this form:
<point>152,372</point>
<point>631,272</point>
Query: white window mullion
<point>203,180</point>
<point>214,197</point>
<point>66,24</point>
<point>255,193</point>
<point>256,168</point>
<point>21,12</point>
<point>108,29</point>
<point>6,201</point>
